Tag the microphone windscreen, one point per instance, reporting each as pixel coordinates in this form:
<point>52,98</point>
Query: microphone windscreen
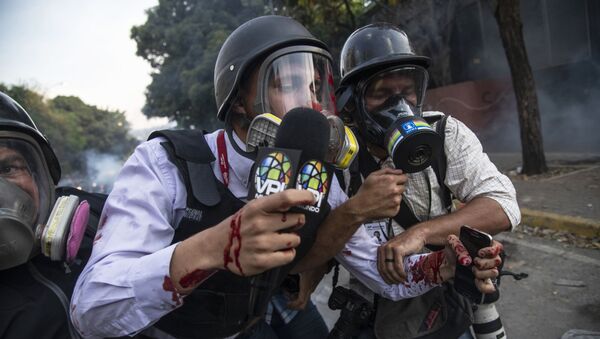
<point>306,130</point>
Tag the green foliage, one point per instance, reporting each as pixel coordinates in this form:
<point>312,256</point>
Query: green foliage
<point>329,20</point>
<point>181,40</point>
<point>75,128</point>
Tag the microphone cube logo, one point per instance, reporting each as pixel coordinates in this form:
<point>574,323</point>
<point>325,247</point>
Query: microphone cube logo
<point>313,177</point>
<point>273,174</point>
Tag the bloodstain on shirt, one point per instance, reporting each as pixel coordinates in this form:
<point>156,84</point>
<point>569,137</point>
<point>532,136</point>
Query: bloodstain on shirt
<point>169,287</point>
<point>102,221</point>
<point>74,319</point>
<point>427,268</point>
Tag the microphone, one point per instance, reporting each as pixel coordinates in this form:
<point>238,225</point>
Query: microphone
<point>307,130</point>
<point>295,161</point>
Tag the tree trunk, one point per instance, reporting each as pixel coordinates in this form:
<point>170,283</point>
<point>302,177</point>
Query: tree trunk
<point>511,31</point>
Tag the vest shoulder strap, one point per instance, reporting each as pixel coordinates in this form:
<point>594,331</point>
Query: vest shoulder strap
<point>189,145</point>
<point>190,153</point>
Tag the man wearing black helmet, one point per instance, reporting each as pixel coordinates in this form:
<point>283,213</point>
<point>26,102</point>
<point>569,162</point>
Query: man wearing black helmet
<point>381,95</point>
<point>38,264</point>
<point>178,238</point>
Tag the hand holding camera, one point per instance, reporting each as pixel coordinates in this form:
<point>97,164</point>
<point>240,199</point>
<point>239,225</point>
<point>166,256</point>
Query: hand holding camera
<point>474,279</point>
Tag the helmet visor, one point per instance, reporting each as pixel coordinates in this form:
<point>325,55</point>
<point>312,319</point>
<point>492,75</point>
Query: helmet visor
<point>22,164</point>
<point>296,79</point>
<point>392,88</point>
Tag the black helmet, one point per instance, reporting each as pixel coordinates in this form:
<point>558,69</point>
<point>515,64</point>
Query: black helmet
<point>374,47</point>
<point>249,43</point>
<point>370,55</point>
<point>13,118</point>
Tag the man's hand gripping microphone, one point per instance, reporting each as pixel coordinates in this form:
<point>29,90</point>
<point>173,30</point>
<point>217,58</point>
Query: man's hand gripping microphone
<point>295,161</point>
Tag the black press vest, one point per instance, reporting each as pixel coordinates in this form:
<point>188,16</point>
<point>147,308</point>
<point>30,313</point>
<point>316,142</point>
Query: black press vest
<point>219,306</point>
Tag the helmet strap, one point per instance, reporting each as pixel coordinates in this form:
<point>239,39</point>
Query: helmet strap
<point>236,147</point>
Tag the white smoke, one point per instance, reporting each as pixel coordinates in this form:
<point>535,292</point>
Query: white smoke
<point>102,171</point>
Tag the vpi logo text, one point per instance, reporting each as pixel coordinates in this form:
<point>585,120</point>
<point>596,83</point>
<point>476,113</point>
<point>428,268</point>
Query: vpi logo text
<point>272,174</point>
<point>313,177</point>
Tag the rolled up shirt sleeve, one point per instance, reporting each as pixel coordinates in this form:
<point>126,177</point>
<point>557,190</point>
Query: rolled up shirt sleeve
<point>359,257</point>
<point>125,286</point>
<point>471,174</point>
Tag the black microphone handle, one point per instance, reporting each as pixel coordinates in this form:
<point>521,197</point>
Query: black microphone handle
<point>303,134</point>
<point>264,284</point>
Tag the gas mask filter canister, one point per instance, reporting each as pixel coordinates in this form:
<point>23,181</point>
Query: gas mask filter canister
<point>410,141</point>
<point>342,147</point>
<point>59,239</point>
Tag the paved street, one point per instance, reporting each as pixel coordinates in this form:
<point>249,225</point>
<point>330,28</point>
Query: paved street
<point>570,188</point>
<point>536,307</point>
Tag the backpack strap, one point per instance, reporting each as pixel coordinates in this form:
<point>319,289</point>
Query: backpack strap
<point>440,165</point>
<point>406,218</point>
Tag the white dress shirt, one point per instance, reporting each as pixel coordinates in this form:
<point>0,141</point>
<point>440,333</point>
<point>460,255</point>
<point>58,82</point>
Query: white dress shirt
<point>120,291</point>
<point>469,174</point>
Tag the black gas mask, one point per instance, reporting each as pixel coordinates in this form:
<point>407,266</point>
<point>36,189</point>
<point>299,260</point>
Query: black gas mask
<point>389,116</point>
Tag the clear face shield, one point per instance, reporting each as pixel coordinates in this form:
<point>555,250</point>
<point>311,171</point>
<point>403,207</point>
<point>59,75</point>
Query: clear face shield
<point>298,76</point>
<point>26,192</point>
<point>390,94</point>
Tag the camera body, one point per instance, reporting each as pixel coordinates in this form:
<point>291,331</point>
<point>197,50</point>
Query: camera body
<point>356,312</point>
<point>464,279</point>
